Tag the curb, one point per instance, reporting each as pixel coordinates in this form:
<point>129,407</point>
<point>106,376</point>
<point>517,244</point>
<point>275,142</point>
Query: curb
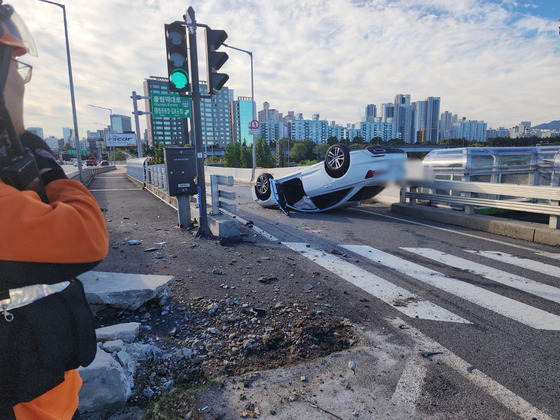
<point>532,232</point>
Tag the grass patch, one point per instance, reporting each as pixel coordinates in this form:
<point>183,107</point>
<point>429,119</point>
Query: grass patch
<point>176,405</point>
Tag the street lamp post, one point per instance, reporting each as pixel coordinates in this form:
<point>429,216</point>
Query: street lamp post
<point>252,104</point>
<point>78,152</point>
<point>110,115</point>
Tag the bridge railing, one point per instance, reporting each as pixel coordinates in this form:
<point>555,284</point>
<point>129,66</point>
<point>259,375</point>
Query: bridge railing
<point>137,168</point>
<point>527,198</point>
<point>89,172</point>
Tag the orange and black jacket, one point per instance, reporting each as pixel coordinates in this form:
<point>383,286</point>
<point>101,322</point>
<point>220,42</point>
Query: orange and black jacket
<point>49,243</point>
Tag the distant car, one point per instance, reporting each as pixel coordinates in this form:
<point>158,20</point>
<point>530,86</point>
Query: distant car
<point>90,163</point>
<point>76,163</point>
<point>104,163</point>
<point>344,179</point>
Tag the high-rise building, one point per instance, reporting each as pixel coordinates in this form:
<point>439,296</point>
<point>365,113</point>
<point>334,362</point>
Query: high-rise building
<point>387,112</point>
<point>403,118</point>
<point>371,113</point>
<point>271,124</point>
<point>471,130</point>
<point>215,117</point>
<point>68,136</point>
<point>426,120</point>
<point>121,123</point>
<point>315,129</point>
<point>53,143</point>
<point>371,130</point>
<point>38,131</point>
<point>167,131</point>
<point>432,120</point>
<point>335,130</point>
<point>446,125</point>
<point>241,112</point>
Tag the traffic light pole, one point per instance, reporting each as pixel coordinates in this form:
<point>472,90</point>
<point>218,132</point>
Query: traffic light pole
<point>203,230</point>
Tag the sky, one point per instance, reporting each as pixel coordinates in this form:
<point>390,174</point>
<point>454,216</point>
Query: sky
<point>491,60</point>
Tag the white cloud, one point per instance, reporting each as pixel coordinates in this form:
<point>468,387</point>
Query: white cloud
<point>310,56</point>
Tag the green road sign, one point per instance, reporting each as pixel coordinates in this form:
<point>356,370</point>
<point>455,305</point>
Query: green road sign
<point>170,106</point>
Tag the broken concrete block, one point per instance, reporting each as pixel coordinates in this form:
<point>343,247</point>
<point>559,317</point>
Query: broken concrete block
<point>127,332</point>
<point>124,291</point>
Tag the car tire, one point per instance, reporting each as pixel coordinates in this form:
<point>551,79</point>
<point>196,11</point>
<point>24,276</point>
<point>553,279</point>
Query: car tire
<point>262,186</point>
<point>337,160</point>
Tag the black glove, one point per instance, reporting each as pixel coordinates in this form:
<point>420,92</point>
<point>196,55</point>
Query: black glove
<point>49,169</point>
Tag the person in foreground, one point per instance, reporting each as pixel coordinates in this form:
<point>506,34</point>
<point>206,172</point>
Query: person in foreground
<point>51,230</point>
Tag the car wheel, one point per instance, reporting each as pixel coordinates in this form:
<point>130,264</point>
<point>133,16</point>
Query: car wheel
<point>337,160</point>
<point>262,187</point>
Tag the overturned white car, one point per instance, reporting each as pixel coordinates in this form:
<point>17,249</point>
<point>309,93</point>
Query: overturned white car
<point>345,178</point>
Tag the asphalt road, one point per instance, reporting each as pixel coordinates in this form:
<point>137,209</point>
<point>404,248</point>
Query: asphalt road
<point>469,322</point>
<point>491,301</point>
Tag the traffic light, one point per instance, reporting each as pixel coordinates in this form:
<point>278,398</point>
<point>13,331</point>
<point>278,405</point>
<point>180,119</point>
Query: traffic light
<point>215,59</point>
<point>177,57</point>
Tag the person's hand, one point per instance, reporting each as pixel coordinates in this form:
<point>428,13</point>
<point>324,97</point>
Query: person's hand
<point>49,169</point>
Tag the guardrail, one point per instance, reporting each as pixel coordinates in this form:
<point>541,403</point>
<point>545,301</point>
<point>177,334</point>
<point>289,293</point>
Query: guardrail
<point>216,194</point>
<point>156,176</point>
<point>527,198</point>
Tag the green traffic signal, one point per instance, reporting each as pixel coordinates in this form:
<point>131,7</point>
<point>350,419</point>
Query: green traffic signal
<point>179,78</point>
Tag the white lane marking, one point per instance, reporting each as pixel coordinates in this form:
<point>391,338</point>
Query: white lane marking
<point>549,270</point>
<point>409,387</point>
<point>512,280</point>
<point>528,315</point>
<point>470,235</point>
<point>407,303</point>
<point>500,393</point>
<point>255,228</point>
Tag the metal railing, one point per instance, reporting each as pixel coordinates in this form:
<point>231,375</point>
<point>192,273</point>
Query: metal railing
<point>156,176</point>
<point>216,194</point>
<point>527,198</point>
<point>137,168</point>
<point>89,172</point>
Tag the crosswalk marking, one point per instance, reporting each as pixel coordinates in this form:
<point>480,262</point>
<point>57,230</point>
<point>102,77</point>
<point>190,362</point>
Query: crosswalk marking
<point>408,303</point>
<point>512,280</point>
<point>549,270</point>
<point>510,308</point>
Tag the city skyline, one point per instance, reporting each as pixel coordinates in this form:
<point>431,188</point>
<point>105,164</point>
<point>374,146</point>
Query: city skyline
<point>495,61</point>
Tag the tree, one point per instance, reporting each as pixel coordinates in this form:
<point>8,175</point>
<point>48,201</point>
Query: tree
<point>246,158</point>
<point>358,140</point>
<point>264,156</point>
<point>232,155</point>
<point>299,152</point>
<point>321,150</point>
<point>332,140</point>
<point>376,140</point>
